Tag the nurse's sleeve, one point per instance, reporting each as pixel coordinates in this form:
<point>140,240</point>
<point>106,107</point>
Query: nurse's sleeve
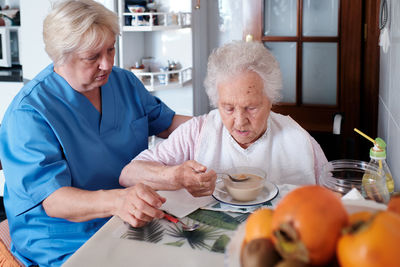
<point>34,166</point>
<point>158,113</point>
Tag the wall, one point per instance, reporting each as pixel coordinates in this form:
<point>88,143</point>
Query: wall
<point>389,94</point>
<point>10,3</point>
<point>32,54</point>
<point>224,22</point>
<point>215,23</point>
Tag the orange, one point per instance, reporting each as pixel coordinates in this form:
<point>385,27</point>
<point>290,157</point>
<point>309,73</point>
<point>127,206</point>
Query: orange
<point>258,225</point>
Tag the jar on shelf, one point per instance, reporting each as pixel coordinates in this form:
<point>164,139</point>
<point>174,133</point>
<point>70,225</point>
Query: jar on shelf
<point>163,78</point>
<point>172,65</point>
<point>138,69</point>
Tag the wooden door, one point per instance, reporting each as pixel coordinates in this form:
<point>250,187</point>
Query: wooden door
<point>320,60</point>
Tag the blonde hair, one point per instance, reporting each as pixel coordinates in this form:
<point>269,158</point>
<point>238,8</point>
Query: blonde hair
<point>238,57</point>
<point>77,25</point>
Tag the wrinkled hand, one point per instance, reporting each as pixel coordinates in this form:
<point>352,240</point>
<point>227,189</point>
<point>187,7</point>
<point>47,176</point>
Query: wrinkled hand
<point>139,205</point>
<point>195,178</point>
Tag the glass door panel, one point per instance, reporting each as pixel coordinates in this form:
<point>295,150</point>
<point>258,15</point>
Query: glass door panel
<point>1,47</point>
<point>280,17</point>
<point>285,53</point>
<point>320,17</point>
<point>328,37</point>
<point>319,73</point>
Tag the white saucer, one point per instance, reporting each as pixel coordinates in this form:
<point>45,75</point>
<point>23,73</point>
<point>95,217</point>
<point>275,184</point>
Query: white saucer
<point>269,192</point>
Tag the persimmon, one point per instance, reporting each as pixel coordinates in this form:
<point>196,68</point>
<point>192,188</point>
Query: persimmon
<point>394,203</point>
<point>360,217</point>
<point>307,223</point>
<point>371,244</point>
<point>258,224</point>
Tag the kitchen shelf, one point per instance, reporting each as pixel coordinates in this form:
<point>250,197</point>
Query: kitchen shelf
<point>152,39</point>
<point>152,82</point>
<point>166,21</point>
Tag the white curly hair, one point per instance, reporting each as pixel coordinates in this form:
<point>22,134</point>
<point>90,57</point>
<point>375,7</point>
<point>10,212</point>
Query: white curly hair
<point>237,57</point>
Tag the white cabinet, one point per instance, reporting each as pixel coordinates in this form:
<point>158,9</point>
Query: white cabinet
<point>8,90</point>
<point>158,41</point>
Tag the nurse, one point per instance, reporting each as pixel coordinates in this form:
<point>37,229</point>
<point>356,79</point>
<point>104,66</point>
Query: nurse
<point>69,132</point>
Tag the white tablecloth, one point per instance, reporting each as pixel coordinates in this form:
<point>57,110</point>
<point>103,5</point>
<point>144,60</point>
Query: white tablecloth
<point>106,249</point>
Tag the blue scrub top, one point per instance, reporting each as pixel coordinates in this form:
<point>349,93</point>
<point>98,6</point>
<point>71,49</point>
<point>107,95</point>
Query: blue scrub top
<point>52,136</point>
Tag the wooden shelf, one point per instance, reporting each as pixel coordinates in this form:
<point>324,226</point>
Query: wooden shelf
<point>155,81</point>
<point>165,21</point>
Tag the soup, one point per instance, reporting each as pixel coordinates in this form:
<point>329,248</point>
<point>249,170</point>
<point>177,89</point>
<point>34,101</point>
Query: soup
<point>244,190</point>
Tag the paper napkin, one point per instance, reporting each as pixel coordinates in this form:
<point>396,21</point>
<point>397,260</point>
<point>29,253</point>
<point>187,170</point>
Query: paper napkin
<point>181,203</point>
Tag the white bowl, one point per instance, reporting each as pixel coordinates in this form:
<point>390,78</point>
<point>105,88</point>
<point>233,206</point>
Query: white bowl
<point>245,190</point>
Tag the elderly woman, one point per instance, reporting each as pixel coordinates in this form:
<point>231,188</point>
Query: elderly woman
<point>69,132</point>
<point>243,81</point>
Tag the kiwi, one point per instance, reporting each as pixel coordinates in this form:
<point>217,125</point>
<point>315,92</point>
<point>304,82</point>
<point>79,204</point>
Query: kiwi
<point>259,253</point>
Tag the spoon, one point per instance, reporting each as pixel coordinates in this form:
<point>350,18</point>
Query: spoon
<point>236,179</point>
<point>231,177</point>
<point>185,227</point>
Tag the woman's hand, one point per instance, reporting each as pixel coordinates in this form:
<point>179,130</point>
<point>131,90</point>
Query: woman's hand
<point>139,205</point>
<point>190,175</point>
<point>195,178</point>
<point>136,205</point>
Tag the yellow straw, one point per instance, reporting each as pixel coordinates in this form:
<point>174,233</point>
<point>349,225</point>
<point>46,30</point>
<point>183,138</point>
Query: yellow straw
<point>364,135</point>
<point>370,139</point>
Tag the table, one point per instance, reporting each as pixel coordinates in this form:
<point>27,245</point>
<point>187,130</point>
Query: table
<point>108,247</point>
<point>111,247</point>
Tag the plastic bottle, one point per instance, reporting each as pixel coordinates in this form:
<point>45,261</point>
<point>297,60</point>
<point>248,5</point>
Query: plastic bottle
<point>378,187</point>
<point>377,154</point>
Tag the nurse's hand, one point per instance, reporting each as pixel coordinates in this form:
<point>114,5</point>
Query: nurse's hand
<point>139,205</point>
<point>195,178</point>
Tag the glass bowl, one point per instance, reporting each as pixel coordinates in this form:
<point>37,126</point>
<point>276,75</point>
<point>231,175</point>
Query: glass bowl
<point>247,190</point>
<point>342,175</point>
